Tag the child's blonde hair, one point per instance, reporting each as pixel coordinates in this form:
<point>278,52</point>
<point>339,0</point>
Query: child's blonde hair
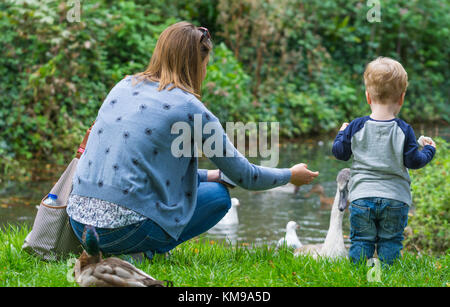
<point>386,80</point>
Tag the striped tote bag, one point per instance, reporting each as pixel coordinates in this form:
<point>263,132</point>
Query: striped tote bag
<point>52,237</point>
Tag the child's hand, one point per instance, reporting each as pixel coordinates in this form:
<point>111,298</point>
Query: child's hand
<point>344,125</point>
<point>429,142</point>
<point>425,140</point>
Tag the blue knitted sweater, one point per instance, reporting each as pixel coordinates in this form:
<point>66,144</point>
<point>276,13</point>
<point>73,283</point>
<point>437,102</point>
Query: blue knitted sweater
<point>129,157</point>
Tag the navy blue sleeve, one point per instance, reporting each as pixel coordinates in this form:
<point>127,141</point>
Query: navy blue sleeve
<point>342,146</point>
<point>413,158</point>
<point>202,175</point>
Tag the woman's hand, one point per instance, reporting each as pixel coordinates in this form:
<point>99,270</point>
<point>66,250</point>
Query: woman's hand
<point>302,175</point>
<point>213,175</point>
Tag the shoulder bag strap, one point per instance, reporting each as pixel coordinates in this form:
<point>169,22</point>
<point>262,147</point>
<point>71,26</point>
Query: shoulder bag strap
<point>82,146</point>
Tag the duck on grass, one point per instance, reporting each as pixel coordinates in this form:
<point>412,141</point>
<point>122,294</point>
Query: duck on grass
<point>92,270</point>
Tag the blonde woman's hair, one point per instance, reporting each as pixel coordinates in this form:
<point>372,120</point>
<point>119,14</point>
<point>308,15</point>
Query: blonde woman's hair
<point>178,59</point>
<point>386,80</point>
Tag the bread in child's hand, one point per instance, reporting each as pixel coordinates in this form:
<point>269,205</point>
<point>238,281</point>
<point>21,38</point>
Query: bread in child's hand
<point>422,139</point>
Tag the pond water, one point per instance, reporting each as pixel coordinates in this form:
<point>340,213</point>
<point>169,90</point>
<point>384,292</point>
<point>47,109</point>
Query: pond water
<point>263,215</point>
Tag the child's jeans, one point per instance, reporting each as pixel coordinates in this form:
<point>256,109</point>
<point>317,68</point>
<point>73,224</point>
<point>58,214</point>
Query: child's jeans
<point>379,221</point>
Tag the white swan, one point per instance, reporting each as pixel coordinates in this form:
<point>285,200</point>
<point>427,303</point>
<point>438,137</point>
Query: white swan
<point>231,218</point>
<point>374,273</point>
<point>333,246</point>
<point>229,224</point>
<point>291,239</point>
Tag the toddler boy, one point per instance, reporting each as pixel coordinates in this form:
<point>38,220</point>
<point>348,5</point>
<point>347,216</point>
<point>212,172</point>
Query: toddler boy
<point>384,147</point>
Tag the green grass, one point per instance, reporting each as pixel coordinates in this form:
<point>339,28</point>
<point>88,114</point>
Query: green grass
<point>200,262</point>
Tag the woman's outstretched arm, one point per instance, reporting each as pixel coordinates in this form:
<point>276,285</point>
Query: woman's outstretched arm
<point>235,166</point>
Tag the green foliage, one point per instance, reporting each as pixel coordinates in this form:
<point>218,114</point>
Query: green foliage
<point>226,88</point>
<point>315,52</point>
<point>204,263</point>
<point>56,73</point>
<point>431,200</point>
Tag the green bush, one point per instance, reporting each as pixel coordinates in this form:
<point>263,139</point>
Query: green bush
<point>315,52</point>
<point>431,200</point>
<point>226,88</point>
<point>56,74</point>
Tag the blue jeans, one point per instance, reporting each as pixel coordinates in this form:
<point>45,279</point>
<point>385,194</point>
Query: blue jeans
<point>213,202</point>
<point>379,221</point>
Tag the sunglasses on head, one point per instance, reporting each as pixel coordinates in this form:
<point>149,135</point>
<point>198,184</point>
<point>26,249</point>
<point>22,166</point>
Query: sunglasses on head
<point>205,33</point>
